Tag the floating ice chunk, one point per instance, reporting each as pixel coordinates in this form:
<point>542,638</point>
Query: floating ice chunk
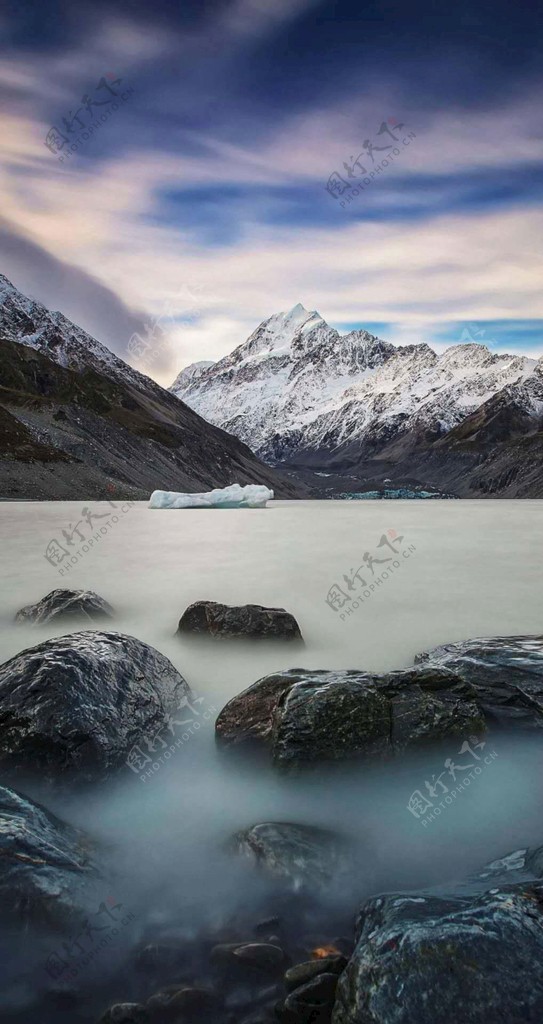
<point>251,496</point>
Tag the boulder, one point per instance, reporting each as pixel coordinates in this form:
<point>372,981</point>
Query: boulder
<point>300,855</point>
<point>66,604</point>
<point>433,959</point>
<point>300,974</point>
<point>303,717</point>
<point>520,865</point>
<point>262,957</point>
<point>252,621</point>
<point>126,1013</point>
<point>505,672</point>
<point>48,877</point>
<point>77,704</point>
<point>312,1003</point>
<point>182,1003</point>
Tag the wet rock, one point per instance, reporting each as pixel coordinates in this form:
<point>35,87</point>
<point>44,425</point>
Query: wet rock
<point>125,1013</point>
<point>250,956</point>
<point>75,705</point>
<point>305,718</point>
<point>312,1003</point>
<point>432,959</point>
<point>300,974</point>
<point>301,855</point>
<point>506,674</point>
<point>66,604</point>
<point>48,876</point>
<point>249,620</point>
<point>516,866</point>
<point>182,1003</point>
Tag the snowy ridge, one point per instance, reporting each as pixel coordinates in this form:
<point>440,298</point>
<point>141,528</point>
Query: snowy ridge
<point>27,322</point>
<point>298,385</point>
<point>190,374</point>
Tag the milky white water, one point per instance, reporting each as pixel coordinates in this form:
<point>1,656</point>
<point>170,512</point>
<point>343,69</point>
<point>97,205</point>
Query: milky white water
<point>465,568</point>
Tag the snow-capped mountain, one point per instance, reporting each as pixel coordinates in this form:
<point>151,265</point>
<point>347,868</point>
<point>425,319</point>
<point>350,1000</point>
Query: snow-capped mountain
<point>76,421</point>
<point>271,390</point>
<point>297,387</point>
<point>190,374</point>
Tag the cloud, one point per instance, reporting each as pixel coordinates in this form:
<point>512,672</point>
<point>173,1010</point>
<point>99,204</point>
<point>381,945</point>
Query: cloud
<point>201,180</point>
<point>85,300</point>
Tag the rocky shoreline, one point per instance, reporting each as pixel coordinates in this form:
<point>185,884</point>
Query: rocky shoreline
<point>73,711</point>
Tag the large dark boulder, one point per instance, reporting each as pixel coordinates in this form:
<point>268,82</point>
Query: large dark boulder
<point>506,673</point>
<point>302,856</point>
<point>77,704</point>
<point>48,876</point>
<point>66,604</point>
<point>252,621</point>
<point>428,959</point>
<point>312,1003</point>
<point>309,717</point>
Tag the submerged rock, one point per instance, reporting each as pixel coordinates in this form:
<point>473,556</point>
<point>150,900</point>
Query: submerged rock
<point>77,704</point>
<point>309,717</point>
<point>301,855</point>
<point>429,959</point>
<point>248,620</point>
<point>66,604</point>
<point>505,672</point>
<point>48,876</point>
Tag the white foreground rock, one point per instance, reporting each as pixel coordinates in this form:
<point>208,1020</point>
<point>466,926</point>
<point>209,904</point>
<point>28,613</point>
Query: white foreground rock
<point>250,496</point>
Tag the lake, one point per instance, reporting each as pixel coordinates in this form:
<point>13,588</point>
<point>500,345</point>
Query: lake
<point>455,569</point>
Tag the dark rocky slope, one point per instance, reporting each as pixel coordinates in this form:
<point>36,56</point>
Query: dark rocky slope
<point>80,433</point>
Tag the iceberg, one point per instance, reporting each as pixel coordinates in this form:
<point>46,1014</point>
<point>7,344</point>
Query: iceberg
<point>250,496</point>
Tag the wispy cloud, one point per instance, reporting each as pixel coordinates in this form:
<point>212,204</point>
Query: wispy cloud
<point>205,181</point>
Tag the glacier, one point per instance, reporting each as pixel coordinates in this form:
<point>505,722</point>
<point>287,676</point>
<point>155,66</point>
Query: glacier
<point>234,496</point>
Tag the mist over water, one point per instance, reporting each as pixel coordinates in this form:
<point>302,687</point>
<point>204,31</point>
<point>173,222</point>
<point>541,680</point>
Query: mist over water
<point>475,571</point>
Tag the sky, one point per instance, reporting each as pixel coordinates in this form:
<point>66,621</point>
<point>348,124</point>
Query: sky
<point>181,171</point>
